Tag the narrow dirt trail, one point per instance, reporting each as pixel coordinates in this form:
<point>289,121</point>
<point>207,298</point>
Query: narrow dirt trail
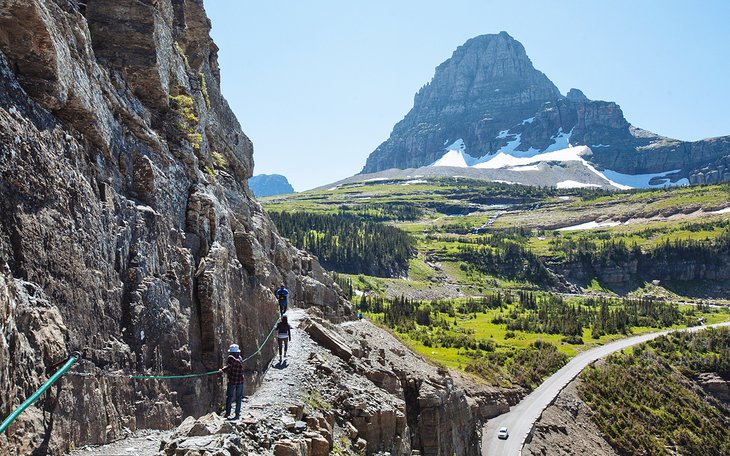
<point>286,380</point>
<point>283,379</point>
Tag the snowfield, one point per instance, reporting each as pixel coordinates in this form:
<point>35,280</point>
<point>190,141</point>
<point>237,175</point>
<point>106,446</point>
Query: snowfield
<point>574,184</point>
<point>589,225</point>
<point>560,151</point>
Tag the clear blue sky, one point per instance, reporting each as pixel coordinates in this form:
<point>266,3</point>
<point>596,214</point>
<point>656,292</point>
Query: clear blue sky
<point>318,85</point>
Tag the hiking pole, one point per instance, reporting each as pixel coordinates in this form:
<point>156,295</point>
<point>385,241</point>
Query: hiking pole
<point>73,357</point>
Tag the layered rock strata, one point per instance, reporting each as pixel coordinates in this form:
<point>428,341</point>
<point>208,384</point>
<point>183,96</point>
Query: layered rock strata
<point>127,230</point>
<point>640,267</point>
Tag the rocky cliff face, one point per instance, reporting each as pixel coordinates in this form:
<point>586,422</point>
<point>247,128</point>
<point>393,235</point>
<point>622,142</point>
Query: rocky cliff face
<point>712,173</point>
<point>127,230</point>
<point>674,270</point>
<point>269,185</point>
<point>489,95</point>
<point>439,411</point>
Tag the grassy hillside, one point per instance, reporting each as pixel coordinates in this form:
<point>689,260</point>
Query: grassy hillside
<point>648,401</point>
<point>472,236</point>
<point>498,287</point>
<point>508,338</point>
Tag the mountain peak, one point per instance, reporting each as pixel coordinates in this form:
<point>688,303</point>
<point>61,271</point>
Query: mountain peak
<point>269,185</point>
<point>487,37</point>
<point>487,85</point>
<point>490,97</point>
<point>486,65</point>
<point>576,95</point>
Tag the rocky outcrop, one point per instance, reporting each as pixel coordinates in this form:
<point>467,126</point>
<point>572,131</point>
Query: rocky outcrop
<point>312,403</point>
<point>269,185</point>
<point>127,230</point>
<point>489,95</point>
<point>712,173</point>
<point>715,385</point>
<point>355,390</point>
<point>675,268</point>
<point>442,411</point>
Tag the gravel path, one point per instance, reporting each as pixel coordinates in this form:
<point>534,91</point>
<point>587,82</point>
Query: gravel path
<point>141,443</point>
<point>285,379</point>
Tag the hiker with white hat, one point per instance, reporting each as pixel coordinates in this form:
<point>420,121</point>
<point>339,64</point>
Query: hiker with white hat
<point>234,369</point>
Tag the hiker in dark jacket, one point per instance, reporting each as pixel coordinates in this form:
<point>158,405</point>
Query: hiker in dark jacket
<point>234,369</point>
<point>283,335</point>
<point>282,295</point>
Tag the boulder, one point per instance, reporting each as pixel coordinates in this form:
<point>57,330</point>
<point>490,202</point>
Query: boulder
<point>328,338</point>
<point>289,448</point>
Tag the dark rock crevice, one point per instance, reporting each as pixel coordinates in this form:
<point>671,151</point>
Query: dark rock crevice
<point>411,387</point>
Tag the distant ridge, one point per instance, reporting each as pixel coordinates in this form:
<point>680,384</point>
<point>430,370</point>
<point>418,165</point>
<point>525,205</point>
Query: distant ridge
<point>269,185</point>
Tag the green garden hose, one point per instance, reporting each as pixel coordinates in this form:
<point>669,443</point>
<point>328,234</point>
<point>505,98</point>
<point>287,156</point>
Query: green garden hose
<point>71,359</point>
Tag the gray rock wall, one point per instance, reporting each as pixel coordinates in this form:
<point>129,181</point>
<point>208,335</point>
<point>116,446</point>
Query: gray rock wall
<point>127,230</point>
<point>648,269</point>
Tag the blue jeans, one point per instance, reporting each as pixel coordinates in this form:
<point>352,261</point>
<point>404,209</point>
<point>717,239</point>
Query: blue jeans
<point>232,390</point>
<point>282,307</point>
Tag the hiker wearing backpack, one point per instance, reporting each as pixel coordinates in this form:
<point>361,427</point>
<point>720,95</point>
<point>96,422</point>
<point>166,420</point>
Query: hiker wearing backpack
<point>283,335</point>
<point>234,369</point>
<point>282,295</point>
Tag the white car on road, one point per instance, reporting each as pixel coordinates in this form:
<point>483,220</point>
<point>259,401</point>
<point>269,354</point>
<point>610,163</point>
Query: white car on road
<point>502,434</point>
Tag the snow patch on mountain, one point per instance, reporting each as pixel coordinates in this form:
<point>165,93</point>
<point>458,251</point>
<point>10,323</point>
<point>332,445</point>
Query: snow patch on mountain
<point>456,145</point>
<point>454,158</point>
<point>589,225</point>
<point>510,148</point>
<point>642,180</point>
<point>560,151</point>
<point>505,160</point>
<point>574,184</point>
<point>561,140</point>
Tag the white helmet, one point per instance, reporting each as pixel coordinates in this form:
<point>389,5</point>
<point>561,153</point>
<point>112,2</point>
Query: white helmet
<point>234,348</point>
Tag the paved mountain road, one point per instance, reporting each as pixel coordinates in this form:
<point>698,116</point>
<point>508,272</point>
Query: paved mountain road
<point>520,419</point>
